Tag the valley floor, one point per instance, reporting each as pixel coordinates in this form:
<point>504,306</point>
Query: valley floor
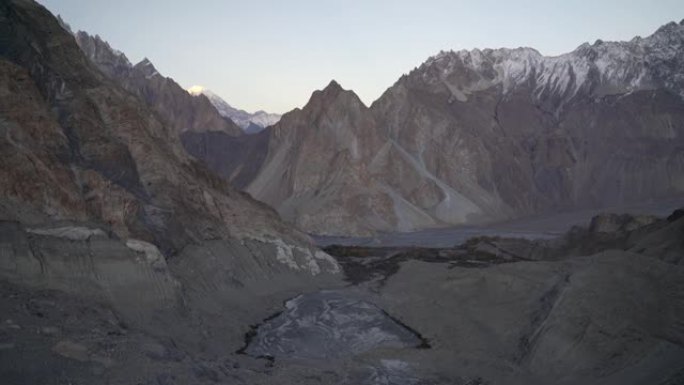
<point>602,304</point>
<point>545,226</point>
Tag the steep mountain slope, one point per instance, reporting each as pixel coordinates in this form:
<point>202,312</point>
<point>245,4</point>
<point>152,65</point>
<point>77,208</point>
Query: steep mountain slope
<point>181,110</point>
<point>206,131</point>
<point>487,135</point>
<point>101,129</point>
<point>250,123</point>
<point>100,202</point>
<point>237,159</point>
<point>317,172</point>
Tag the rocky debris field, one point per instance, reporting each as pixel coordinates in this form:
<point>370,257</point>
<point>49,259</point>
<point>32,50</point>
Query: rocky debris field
<point>602,304</point>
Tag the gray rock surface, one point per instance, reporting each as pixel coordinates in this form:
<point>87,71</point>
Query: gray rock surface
<point>236,159</point>
<point>611,317</point>
<point>589,307</point>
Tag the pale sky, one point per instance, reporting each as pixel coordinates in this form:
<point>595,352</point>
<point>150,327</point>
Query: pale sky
<point>272,54</point>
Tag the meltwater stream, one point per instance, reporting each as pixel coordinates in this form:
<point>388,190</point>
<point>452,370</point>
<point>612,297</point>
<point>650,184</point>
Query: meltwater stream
<point>329,324</point>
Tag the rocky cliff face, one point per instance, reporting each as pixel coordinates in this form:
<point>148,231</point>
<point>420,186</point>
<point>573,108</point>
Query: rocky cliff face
<point>182,111</point>
<point>106,140</point>
<point>237,159</point>
<point>486,135</point>
<point>319,173</point>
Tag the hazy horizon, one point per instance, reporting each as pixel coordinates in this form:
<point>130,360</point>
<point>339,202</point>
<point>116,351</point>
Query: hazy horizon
<point>271,56</point>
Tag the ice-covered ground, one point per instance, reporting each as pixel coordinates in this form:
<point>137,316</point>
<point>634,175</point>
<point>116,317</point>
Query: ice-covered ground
<point>328,324</point>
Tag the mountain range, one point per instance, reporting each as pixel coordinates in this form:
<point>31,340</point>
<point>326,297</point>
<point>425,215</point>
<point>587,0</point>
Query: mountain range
<point>169,98</point>
<point>468,137</point>
<point>483,136</point>
<point>125,260</point>
<point>162,94</point>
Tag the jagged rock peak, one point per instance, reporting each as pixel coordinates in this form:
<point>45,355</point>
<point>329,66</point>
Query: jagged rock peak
<point>605,67</point>
<point>670,27</point>
<point>182,111</point>
<point>147,68</point>
<point>64,24</point>
<point>109,60</point>
<point>145,62</point>
<point>333,93</point>
<point>333,86</point>
<point>430,152</point>
<point>99,41</point>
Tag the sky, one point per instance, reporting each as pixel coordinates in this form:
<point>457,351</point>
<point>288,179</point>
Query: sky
<point>272,54</point>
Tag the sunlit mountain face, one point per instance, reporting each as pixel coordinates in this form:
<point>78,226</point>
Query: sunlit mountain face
<point>251,123</point>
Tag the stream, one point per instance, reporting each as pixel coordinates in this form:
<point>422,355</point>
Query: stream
<point>326,325</point>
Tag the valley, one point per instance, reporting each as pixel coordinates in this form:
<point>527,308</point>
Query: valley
<point>496,217</point>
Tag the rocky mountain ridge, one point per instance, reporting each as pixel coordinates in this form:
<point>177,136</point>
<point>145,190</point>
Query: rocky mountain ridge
<point>183,111</point>
<point>485,135</point>
<point>596,70</point>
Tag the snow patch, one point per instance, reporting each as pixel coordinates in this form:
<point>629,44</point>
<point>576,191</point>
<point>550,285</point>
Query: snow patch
<point>242,118</point>
<point>72,233</point>
<point>620,67</point>
<point>152,253</point>
<point>310,261</point>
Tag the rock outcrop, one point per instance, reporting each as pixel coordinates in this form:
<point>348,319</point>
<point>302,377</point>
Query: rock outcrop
<point>599,305</point>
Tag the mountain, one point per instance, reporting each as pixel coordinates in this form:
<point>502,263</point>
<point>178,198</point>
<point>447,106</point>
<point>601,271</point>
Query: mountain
<point>183,111</point>
<point>250,123</point>
<point>124,261</point>
<point>199,119</point>
<point>485,135</point>
<point>317,171</point>
<point>102,211</point>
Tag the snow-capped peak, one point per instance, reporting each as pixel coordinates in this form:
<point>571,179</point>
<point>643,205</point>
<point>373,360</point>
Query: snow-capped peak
<point>196,90</point>
<point>250,123</point>
<point>591,69</point>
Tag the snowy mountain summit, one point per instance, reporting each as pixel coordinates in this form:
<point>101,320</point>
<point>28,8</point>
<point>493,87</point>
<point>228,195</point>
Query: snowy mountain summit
<point>250,123</point>
<point>594,70</point>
